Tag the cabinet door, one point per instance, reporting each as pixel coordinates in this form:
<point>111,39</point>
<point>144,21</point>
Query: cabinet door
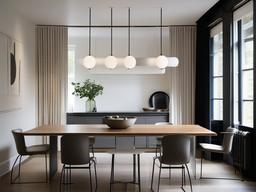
<point>104,142</point>
<point>125,143</point>
<point>84,120</point>
<point>140,141</point>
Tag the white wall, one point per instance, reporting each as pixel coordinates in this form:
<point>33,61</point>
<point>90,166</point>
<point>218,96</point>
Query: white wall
<point>22,30</point>
<point>128,93</point>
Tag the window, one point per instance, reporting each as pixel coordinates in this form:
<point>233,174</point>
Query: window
<point>216,60</point>
<point>243,66</point>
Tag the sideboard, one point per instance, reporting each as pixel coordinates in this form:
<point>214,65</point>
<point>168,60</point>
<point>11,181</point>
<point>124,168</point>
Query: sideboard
<point>102,142</point>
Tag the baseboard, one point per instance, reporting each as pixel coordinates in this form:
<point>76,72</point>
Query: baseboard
<point>6,165</point>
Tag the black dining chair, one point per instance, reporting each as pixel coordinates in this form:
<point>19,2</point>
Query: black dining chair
<point>175,152</point>
<point>24,150</point>
<point>75,154</point>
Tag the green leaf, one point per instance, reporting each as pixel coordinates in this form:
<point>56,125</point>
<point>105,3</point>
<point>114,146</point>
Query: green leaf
<point>88,89</point>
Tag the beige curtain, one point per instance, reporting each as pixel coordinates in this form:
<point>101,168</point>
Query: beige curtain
<point>182,78</point>
<point>52,49</point>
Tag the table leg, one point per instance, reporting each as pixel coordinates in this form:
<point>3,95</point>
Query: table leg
<point>53,161</point>
<point>134,168</point>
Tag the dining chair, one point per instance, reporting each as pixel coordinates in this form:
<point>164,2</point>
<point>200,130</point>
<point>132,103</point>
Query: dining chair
<point>75,154</point>
<point>225,148</point>
<point>175,152</point>
<point>127,149</point>
<point>24,150</point>
<point>159,138</point>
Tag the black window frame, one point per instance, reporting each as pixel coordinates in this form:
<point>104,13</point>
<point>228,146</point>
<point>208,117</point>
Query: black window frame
<point>212,77</point>
<point>240,73</point>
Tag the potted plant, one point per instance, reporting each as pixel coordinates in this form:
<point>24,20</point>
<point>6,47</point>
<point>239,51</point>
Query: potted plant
<point>90,90</point>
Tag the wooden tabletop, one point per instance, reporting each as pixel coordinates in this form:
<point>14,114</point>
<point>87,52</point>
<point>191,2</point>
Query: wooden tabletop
<point>101,129</point>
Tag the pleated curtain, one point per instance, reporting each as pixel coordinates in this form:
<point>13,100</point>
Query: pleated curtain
<point>52,60</point>
<point>182,78</point>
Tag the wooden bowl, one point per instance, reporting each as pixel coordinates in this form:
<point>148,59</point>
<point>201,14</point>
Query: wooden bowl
<point>117,122</point>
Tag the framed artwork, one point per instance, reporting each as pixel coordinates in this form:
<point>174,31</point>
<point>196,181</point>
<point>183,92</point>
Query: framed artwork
<point>10,73</point>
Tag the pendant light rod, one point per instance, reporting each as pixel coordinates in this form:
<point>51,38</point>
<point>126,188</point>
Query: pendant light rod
<point>129,31</point>
<point>90,29</point>
<point>161,31</point>
<point>111,29</point>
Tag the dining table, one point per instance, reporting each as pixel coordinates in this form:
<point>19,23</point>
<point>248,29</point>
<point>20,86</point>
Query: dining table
<point>53,131</point>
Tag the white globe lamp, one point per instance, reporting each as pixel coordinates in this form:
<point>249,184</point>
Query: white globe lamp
<point>161,62</point>
<point>89,62</point>
<point>129,62</point>
<point>173,62</point>
<point>111,62</point>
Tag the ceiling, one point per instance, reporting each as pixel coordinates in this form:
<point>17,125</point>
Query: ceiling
<point>143,12</point>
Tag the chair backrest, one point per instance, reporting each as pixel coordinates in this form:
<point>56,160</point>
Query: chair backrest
<point>19,141</point>
<point>75,149</point>
<point>176,149</point>
<point>163,123</point>
<point>228,139</point>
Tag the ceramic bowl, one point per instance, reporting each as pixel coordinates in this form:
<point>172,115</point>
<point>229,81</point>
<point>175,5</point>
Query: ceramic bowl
<point>117,122</point>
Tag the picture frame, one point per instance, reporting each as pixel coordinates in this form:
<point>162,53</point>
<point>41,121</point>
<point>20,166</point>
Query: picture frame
<point>10,73</point>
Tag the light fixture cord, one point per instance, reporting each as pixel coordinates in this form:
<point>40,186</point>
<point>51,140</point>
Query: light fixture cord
<point>90,29</point>
<point>161,31</point>
<point>129,31</point>
<point>111,28</point>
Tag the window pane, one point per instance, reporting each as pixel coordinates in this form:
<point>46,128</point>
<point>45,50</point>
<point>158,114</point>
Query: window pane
<point>217,109</point>
<point>217,42</point>
<point>217,87</point>
<point>218,63</point>
<point>248,55</point>
<point>247,113</point>
<point>247,84</point>
<point>247,26</point>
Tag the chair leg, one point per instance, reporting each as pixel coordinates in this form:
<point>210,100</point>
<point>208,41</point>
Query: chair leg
<point>159,177</point>
<point>153,171</point>
<point>138,156</point>
<point>61,176</point>
<point>96,180</point>
<point>64,174</point>
<point>201,167</point>
<point>90,173</point>
<point>134,168</point>
<point>182,176</point>
<point>13,168</point>
<point>19,165</point>
<point>170,172</point>
<point>112,172</point>
<point>70,175</point>
<point>46,169</point>
<point>190,182</point>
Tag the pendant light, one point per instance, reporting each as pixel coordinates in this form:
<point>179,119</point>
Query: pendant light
<point>129,61</point>
<point>111,61</point>
<point>89,61</point>
<point>161,61</point>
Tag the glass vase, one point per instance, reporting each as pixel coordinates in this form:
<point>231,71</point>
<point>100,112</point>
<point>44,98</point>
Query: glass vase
<point>91,105</point>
